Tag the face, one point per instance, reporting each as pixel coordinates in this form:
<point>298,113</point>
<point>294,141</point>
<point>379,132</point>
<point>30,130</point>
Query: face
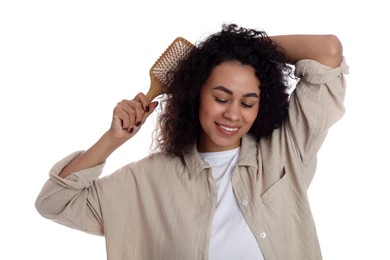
<point>229,103</point>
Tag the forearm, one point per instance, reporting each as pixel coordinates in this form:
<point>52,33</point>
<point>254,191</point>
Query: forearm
<point>97,154</point>
<point>128,116</point>
<point>326,49</point>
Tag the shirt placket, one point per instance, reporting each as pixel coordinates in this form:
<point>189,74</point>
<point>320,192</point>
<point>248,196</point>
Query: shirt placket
<point>210,209</point>
<point>247,204</point>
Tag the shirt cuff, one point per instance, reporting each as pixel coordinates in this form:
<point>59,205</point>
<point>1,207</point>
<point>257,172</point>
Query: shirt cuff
<point>316,73</point>
<point>77,180</point>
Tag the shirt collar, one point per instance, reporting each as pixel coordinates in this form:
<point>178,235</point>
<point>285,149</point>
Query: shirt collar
<point>248,157</point>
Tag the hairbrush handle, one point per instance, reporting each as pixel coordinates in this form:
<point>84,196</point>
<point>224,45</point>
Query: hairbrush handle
<point>156,88</point>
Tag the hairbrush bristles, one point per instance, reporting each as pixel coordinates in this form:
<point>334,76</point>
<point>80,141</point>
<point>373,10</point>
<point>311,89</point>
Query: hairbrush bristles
<point>168,62</point>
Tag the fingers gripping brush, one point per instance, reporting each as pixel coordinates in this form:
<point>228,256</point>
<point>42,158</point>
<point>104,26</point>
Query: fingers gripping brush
<point>167,62</point>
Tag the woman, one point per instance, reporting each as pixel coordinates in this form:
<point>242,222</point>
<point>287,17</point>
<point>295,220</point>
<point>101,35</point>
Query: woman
<point>236,155</point>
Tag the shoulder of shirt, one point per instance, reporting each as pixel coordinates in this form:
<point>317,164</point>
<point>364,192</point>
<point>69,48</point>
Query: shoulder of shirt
<point>156,160</point>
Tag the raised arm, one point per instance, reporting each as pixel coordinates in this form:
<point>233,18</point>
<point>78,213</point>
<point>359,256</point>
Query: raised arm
<point>128,116</point>
<point>326,49</point>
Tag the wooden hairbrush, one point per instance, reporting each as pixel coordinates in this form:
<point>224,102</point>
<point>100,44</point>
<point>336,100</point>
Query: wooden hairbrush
<point>168,61</point>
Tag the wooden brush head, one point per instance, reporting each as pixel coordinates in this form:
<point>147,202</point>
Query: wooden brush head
<point>168,61</point>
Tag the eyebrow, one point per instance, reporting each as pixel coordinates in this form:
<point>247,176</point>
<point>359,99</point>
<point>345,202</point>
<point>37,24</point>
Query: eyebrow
<point>228,91</point>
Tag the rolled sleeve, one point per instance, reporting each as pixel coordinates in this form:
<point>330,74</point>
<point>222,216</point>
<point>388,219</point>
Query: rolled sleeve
<point>315,73</point>
<point>77,180</point>
<point>72,201</point>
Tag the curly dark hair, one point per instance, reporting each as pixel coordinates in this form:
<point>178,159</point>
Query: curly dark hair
<point>179,125</point>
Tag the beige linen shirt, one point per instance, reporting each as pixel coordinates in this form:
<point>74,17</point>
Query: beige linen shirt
<point>162,207</point>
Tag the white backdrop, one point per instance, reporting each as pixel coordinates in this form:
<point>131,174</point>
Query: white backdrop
<point>65,64</point>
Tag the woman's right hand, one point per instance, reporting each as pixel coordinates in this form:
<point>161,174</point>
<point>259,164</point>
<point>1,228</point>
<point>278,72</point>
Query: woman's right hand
<point>129,116</point>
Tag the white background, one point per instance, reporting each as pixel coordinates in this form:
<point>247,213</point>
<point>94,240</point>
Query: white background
<point>65,64</point>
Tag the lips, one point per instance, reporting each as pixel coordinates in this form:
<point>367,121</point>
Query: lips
<point>230,130</point>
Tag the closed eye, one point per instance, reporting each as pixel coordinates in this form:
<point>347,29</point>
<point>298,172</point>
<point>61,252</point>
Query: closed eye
<point>246,105</point>
<point>220,100</point>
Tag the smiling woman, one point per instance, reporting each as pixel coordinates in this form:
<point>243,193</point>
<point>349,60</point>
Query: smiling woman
<point>229,104</point>
<point>235,155</point>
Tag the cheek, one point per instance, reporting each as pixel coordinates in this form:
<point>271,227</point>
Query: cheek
<point>251,116</point>
<point>205,112</point>
<point>208,108</point>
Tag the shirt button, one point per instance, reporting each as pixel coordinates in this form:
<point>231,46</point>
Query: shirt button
<point>263,234</point>
<point>244,203</point>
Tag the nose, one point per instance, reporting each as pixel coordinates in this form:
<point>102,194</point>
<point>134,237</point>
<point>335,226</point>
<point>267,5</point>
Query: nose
<point>232,112</point>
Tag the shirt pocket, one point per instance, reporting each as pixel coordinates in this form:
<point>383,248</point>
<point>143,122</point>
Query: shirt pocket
<point>275,192</point>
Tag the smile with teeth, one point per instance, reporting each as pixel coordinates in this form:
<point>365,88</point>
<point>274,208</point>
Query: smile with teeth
<point>228,129</point>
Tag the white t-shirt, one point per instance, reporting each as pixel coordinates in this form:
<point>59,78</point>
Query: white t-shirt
<point>231,238</point>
